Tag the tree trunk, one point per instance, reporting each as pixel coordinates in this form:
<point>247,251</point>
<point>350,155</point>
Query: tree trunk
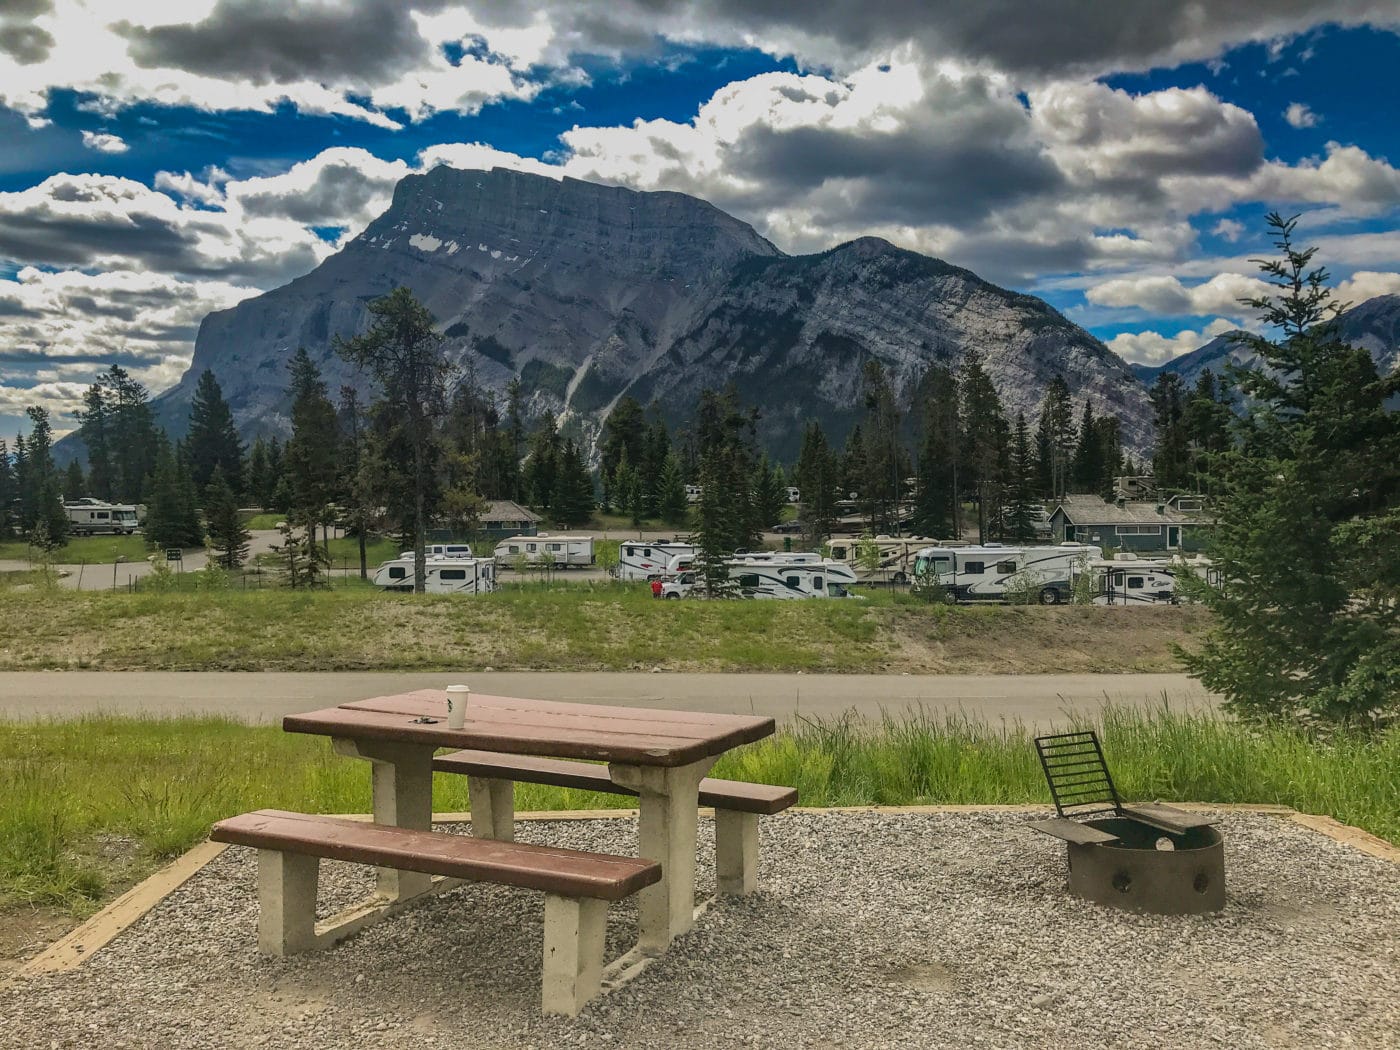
<point>420,524</point>
<point>364,567</point>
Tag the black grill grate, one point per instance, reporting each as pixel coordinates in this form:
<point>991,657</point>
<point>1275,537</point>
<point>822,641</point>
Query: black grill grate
<point>1077,774</point>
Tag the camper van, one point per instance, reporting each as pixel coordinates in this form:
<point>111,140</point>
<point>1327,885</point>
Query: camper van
<point>445,575</point>
<point>88,517</point>
<point>997,573</point>
<point>896,557</point>
<point>1129,580</point>
<point>648,559</point>
<point>796,576</point>
<point>444,550</point>
<point>562,552</point>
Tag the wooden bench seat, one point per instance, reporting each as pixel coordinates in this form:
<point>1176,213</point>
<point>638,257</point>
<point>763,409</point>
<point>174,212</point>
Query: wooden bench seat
<point>577,885</point>
<point>737,804</point>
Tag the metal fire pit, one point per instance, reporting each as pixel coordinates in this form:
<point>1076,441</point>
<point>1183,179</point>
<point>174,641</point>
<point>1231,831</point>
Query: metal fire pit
<point>1148,858</point>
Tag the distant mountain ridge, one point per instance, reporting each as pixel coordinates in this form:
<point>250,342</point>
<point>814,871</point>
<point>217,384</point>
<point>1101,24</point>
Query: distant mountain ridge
<point>588,291</point>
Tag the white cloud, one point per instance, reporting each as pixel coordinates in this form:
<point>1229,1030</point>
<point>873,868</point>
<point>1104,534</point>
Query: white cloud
<point>1228,229</point>
<point>1153,348</point>
<point>104,142</point>
<point>1367,284</point>
<point>1300,116</point>
<point>1166,296</point>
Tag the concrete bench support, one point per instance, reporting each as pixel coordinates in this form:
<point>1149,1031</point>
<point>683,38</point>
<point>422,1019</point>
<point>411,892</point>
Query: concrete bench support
<point>736,852</point>
<point>402,790</point>
<point>668,821</point>
<point>574,933</point>
<point>286,902</point>
<point>493,808</point>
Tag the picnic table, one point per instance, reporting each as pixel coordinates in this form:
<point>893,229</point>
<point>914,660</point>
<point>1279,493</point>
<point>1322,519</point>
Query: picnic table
<point>660,755</point>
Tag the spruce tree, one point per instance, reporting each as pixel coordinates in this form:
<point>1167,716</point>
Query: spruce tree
<point>1087,467</point>
<point>1306,503</point>
<point>984,441</point>
<point>41,494</point>
<point>542,465</point>
<point>672,505</point>
<point>9,497</point>
<point>228,536</point>
<point>312,455</point>
<point>1021,485</point>
<point>1171,460</point>
<point>818,477</point>
<point>257,474</point>
<point>213,440</point>
<point>94,429</point>
<point>1055,440</point>
<point>75,486</point>
<point>936,500</point>
<point>171,518</point>
<point>883,455</point>
<point>132,434</point>
<point>769,492</point>
<point>572,503</point>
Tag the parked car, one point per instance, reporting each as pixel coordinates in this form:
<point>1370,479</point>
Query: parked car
<point>787,526</point>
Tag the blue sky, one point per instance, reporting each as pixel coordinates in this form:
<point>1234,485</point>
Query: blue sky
<point>1117,162</point>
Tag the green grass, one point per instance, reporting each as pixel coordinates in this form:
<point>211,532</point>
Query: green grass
<point>79,549</point>
<point>92,805</point>
<point>264,521</point>
<point>346,549</point>
<point>535,625</point>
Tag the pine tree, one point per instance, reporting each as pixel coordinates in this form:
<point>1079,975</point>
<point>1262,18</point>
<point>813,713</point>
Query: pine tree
<point>882,454</point>
<point>257,472</point>
<point>984,441</point>
<point>671,502</point>
<point>355,481</point>
<point>94,426</point>
<point>404,352</point>
<point>228,536</point>
<point>769,492</point>
<point>658,449</point>
<point>74,484</point>
<point>1087,467</point>
<point>41,493</point>
<point>542,465</point>
<point>1055,440</point>
<point>818,479</point>
<point>213,440</point>
<point>1307,519</point>
<point>1171,460</point>
<point>9,496</point>
<point>1022,481</point>
<point>1206,418</point>
<point>936,501</point>
<point>572,503</point>
<point>624,431</point>
<point>171,517</point>
<point>132,433</point>
<point>312,455</point>
<point>718,523</point>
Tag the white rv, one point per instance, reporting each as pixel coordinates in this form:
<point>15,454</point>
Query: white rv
<point>1129,580</point>
<point>88,517</point>
<point>444,550</point>
<point>897,555</point>
<point>648,559</point>
<point>993,572</point>
<point>692,493</point>
<point>794,494</point>
<point>544,549</point>
<point>800,576</point>
<point>445,575</point>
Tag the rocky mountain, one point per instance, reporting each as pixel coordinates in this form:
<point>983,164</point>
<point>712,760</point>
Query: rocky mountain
<point>1373,325</point>
<point>587,292</point>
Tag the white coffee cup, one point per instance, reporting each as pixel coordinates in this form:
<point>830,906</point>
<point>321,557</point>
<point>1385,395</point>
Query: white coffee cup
<point>457,696</point>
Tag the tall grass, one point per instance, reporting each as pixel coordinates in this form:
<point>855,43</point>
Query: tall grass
<point>89,805</point>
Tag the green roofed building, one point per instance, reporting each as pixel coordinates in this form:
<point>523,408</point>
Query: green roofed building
<point>1179,523</point>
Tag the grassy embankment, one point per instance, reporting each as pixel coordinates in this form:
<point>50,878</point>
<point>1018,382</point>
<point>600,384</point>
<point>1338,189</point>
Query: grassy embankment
<point>93,550</point>
<point>577,626</point>
<point>93,805</point>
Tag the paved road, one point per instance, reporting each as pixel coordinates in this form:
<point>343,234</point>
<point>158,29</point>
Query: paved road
<point>1041,700</point>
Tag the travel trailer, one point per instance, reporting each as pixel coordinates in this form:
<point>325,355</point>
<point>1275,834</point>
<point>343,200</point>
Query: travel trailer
<point>800,576</point>
<point>794,495</point>
<point>896,556</point>
<point>445,575</point>
<point>648,559</point>
<point>1130,580</point>
<point>88,517</point>
<point>997,573</point>
<point>692,493</point>
<point>560,551</point>
<point>444,550</point>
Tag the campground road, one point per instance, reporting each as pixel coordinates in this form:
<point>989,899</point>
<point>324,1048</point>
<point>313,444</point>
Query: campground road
<point>1039,700</point>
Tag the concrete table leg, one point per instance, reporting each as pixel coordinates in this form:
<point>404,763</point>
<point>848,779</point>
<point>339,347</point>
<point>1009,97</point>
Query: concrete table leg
<point>493,808</point>
<point>286,902</point>
<point>736,852</point>
<point>574,934</point>
<point>402,780</point>
<point>669,802</point>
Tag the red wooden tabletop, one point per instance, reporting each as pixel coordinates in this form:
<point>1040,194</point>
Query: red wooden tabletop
<point>636,736</point>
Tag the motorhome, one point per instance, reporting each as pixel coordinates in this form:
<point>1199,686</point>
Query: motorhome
<point>444,550</point>
<point>800,576</point>
<point>897,554</point>
<point>559,551</point>
<point>88,517</point>
<point>998,573</point>
<point>1129,580</point>
<point>444,575</point>
<point>648,559</point>
<point>794,494</point>
<point>692,493</point>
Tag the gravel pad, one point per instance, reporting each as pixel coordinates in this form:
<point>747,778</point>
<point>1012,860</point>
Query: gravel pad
<point>871,930</point>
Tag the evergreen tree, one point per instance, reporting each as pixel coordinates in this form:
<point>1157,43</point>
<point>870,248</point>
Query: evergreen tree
<point>1307,508</point>
<point>172,518</point>
<point>626,489</point>
<point>355,482</point>
<point>213,440</point>
<point>769,491</point>
<point>403,351</point>
<point>1171,460</point>
<point>725,435</point>
<point>624,432</point>
<point>258,473</point>
<point>884,460</point>
<point>984,441</point>
<point>658,449</point>
<point>74,484</point>
<point>672,505</point>
<point>1087,468</point>
<point>9,496</point>
<point>514,439</point>
<point>542,465</point>
<point>1110,454</point>
<point>41,492</point>
<point>818,479</point>
<point>94,427</point>
<point>278,495</point>
<point>301,560</point>
<point>572,503</point>
<point>132,432</point>
<point>1021,484</point>
<point>718,522</point>
<point>1206,418</point>
<point>936,501</point>
<point>312,455</point>
<point>228,536</point>
<point>1055,440</point>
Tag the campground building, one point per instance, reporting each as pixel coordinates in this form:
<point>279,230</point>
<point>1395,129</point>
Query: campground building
<point>503,517</point>
<point>1179,523</point>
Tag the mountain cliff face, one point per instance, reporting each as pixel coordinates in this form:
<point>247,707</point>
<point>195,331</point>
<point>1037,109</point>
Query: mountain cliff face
<point>1373,326</point>
<point>588,292</point>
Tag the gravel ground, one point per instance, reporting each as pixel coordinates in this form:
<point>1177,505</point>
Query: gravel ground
<point>871,931</point>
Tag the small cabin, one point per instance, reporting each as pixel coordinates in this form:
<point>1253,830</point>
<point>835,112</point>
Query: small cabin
<point>1181,523</point>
